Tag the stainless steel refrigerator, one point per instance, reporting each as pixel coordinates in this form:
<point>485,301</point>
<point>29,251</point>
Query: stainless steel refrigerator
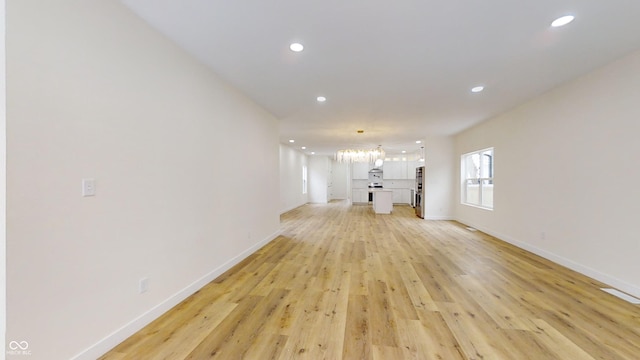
<point>419,195</point>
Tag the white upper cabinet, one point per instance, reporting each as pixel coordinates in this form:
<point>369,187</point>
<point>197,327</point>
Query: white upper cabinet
<point>391,170</point>
<point>395,170</point>
<point>411,169</point>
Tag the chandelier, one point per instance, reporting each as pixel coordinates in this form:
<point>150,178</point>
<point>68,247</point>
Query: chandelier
<point>358,155</point>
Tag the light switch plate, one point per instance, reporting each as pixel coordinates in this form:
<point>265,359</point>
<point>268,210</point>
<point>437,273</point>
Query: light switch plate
<point>143,285</point>
<point>88,187</point>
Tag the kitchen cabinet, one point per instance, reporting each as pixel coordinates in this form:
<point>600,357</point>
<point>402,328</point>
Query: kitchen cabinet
<point>403,169</point>
<point>411,169</point>
<point>359,196</point>
<point>399,170</point>
<point>405,196</point>
<point>395,170</point>
<point>401,196</point>
<point>388,168</point>
<point>397,196</point>
<point>392,170</point>
<point>382,202</point>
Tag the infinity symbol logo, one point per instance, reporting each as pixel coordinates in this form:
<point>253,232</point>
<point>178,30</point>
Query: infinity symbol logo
<point>22,345</point>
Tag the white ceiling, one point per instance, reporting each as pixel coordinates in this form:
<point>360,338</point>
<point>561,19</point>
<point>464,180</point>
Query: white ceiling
<point>400,70</point>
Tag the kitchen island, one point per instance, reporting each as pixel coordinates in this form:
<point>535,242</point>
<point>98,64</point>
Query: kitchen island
<point>382,201</point>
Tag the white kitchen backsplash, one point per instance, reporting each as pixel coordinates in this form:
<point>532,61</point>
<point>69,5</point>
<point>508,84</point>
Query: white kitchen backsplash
<point>389,184</point>
<point>399,184</point>
<point>360,184</point>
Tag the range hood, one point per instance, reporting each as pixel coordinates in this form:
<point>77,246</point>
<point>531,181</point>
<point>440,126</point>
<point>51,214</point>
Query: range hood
<point>375,177</point>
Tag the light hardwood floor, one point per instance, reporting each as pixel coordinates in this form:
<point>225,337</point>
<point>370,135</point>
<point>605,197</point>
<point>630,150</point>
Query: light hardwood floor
<point>344,283</point>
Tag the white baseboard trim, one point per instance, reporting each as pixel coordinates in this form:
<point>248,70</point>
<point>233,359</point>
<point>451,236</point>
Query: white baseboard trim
<point>438,218</point>
<point>582,269</point>
<point>291,208</point>
<point>135,325</point>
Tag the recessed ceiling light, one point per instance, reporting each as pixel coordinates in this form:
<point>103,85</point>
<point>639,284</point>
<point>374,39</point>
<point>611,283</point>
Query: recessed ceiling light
<point>404,151</point>
<point>313,153</point>
<point>296,47</point>
<point>321,99</point>
<point>292,141</point>
<point>418,141</point>
<point>477,89</point>
<point>562,21</point>
<point>304,148</point>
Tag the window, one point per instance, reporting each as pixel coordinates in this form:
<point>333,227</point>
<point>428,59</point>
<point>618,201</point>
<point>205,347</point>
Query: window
<point>477,178</point>
<point>304,179</point>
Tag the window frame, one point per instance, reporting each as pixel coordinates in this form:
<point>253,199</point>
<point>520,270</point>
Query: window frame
<point>480,180</point>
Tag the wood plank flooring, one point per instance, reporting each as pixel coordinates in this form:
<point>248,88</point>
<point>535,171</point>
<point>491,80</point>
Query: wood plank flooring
<point>344,283</point>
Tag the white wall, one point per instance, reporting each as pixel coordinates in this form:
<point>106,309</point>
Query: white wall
<point>319,179</point>
<point>92,91</point>
<point>439,178</point>
<point>291,163</point>
<point>566,174</point>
